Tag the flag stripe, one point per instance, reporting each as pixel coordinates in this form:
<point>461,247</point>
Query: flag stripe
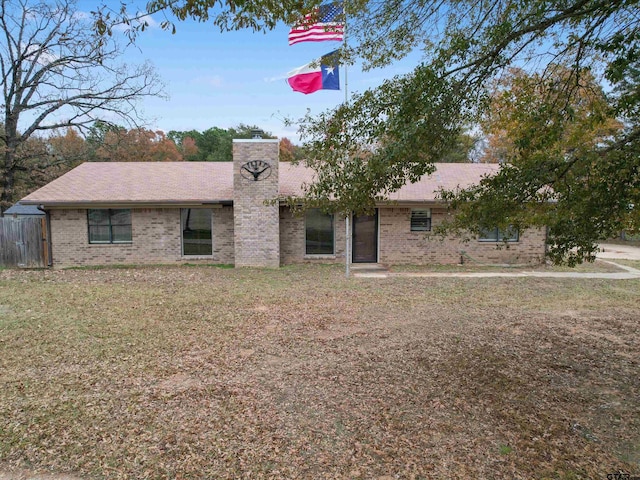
<point>324,28</point>
<point>317,33</point>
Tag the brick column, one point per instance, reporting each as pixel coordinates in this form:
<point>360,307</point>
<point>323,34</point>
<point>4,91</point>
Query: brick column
<point>256,225</point>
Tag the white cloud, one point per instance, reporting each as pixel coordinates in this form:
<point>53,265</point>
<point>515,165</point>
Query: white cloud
<point>80,15</point>
<point>45,57</point>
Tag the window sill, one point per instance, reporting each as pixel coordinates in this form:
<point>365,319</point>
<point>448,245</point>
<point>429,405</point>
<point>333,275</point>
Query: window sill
<point>319,257</point>
<point>497,241</point>
<point>116,244</point>
<point>196,257</point>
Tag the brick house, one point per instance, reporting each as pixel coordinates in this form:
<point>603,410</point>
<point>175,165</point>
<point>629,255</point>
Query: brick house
<point>215,212</point>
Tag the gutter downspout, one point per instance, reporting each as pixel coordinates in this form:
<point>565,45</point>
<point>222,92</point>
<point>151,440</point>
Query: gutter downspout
<point>48,224</point>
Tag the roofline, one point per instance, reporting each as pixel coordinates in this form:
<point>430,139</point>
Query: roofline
<point>202,203</point>
<point>255,140</point>
<point>130,203</point>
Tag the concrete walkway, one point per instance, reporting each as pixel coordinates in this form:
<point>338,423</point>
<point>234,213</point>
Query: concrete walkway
<point>608,251</point>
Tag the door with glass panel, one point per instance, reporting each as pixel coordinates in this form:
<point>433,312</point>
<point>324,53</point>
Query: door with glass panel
<point>196,232</point>
<point>365,238</point>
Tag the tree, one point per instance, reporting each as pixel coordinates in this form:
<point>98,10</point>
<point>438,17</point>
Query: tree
<point>548,138</point>
<point>411,121</point>
<point>69,149</point>
<point>212,145</point>
<point>137,145</point>
<point>227,15</point>
<point>386,136</point>
<point>464,149</point>
<point>57,73</point>
<point>526,108</point>
<point>288,151</point>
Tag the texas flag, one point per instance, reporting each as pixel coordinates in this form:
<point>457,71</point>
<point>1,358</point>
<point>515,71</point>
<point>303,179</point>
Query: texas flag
<point>321,74</point>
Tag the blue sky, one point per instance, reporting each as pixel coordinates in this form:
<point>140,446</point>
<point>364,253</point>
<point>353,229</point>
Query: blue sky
<point>223,79</point>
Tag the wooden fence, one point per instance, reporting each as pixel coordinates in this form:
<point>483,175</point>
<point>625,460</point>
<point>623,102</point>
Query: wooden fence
<point>23,242</point>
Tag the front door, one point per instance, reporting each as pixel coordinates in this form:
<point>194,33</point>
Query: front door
<point>365,238</point>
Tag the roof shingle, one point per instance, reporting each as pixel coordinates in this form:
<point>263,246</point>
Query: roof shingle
<point>206,182</point>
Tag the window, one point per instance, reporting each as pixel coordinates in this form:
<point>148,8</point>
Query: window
<point>497,235</point>
<point>196,231</point>
<point>319,233</point>
<point>421,220</point>
<point>109,226</point>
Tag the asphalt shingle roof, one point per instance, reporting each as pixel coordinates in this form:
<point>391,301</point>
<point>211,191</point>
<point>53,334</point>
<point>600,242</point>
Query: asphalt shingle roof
<point>206,182</point>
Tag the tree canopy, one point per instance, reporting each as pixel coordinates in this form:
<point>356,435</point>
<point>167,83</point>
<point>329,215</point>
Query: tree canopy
<point>583,189</point>
<point>386,136</point>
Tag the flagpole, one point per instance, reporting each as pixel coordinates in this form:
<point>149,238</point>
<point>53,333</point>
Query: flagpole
<point>347,252</point>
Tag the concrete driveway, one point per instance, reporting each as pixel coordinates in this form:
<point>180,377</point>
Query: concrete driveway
<point>613,251</point>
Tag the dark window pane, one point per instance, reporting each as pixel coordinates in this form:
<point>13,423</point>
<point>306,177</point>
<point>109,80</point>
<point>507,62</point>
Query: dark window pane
<point>497,235</point>
<point>99,234</point>
<point>319,233</point>
<point>421,220</point>
<point>109,226</point>
<point>489,234</point>
<point>121,233</point>
<point>196,231</point>
<point>98,217</point>
<point>510,235</point>
<point>120,217</point>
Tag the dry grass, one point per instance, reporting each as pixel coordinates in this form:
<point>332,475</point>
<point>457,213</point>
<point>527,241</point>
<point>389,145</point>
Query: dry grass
<point>588,267</point>
<point>298,373</point>
<point>630,263</point>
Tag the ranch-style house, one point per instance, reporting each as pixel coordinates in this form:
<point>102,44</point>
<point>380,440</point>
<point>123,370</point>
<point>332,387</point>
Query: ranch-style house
<point>215,212</point>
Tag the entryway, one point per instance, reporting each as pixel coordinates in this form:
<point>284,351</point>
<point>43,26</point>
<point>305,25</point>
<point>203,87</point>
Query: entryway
<point>365,238</point>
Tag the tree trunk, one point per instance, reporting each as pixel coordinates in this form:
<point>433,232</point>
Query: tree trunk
<point>8,180</point>
<point>8,168</point>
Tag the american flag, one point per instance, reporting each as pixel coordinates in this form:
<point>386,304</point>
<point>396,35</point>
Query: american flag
<point>319,26</point>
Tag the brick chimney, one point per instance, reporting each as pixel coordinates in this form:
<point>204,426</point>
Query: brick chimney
<point>256,225</point>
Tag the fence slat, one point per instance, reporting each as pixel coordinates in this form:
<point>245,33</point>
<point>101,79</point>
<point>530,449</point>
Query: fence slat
<point>21,242</point>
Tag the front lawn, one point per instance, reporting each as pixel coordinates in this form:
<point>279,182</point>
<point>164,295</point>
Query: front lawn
<point>202,372</point>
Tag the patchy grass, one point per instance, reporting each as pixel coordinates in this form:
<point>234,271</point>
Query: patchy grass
<point>597,266</point>
<point>299,373</point>
<point>630,263</point>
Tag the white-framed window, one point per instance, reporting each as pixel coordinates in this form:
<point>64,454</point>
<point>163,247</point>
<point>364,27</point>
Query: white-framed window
<point>420,219</point>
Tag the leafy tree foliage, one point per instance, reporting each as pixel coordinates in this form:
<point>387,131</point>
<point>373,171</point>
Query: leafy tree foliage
<point>227,15</point>
<point>386,136</point>
<point>137,145</point>
<point>550,135</point>
<point>288,151</point>
<point>57,73</point>
<point>563,110</point>
<point>46,159</point>
<point>583,189</point>
<point>212,145</point>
